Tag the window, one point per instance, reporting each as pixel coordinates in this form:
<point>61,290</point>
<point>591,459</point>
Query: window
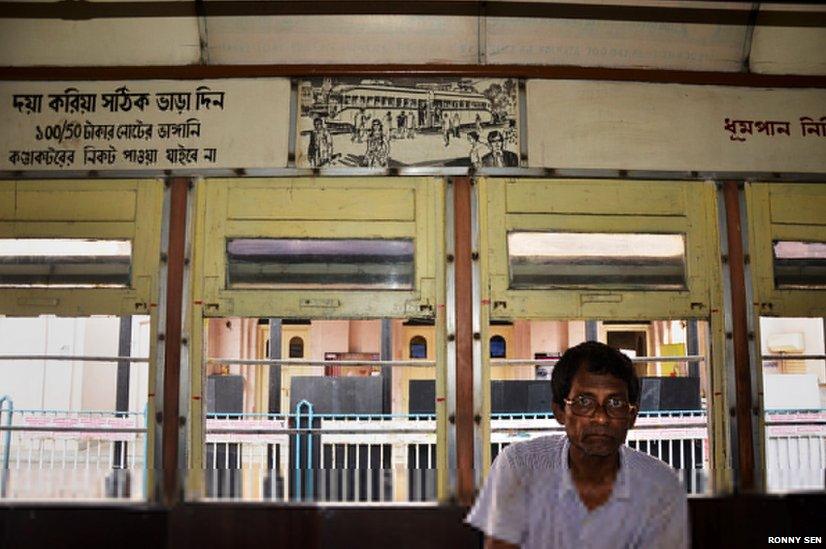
<point>674,399</point>
<point>296,347</point>
<point>794,375</point>
<point>799,264</point>
<point>498,347</point>
<point>80,414</point>
<point>606,260</point>
<point>418,347</point>
<point>367,428</point>
<point>288,263</point>
<point>64,263</point>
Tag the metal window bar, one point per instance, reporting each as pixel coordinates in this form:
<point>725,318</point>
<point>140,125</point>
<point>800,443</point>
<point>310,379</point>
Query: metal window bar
<point>635,360</point>
<point>78,358</point>
<point>309,362</point>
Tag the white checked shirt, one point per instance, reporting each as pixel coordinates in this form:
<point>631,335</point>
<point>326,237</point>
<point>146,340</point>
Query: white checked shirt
<point>529,499</point>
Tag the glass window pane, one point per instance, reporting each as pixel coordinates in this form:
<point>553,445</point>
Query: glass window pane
<point>605,260</point>
<point>799,264</point>
<point>286,263</point>
<point>64,263</point>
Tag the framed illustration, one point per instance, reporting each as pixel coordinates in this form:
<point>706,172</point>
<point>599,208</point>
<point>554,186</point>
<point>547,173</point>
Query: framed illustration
<point>444,122</point>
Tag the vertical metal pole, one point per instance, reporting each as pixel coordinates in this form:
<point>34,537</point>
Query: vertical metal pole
<point>692,338</point>
<point>121,449</point>
<point>386,371</point>
<point>739,338</point>
<point>4,480</point>
<point>156,399</point>
<point>274,397</point>
<point>179,189</point>
<point>591,331</point>
<point>450,329</point>
<point>274,402</point>
<point>464,340</point>
<point>186,329</point>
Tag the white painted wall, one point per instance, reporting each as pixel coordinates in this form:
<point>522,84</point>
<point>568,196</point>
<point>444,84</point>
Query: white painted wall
<point>812,330</point>
<point>69,385</point>
<point>104,42</point>
<point>626,125</point>
<point>416,39</point>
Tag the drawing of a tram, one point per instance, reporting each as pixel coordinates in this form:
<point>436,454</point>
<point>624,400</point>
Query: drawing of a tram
<point>430,107</point>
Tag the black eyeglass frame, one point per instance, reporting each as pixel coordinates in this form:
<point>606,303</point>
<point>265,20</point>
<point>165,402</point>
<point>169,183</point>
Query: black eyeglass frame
<point>627,411</point>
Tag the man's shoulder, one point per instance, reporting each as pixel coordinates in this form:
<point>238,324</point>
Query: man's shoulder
<point>536,453</point>
<point>650,471</point>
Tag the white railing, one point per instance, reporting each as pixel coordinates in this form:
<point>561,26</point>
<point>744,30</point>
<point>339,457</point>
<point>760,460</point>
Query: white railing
<point>679,438</point>
<point>795,450</point>
<point>58,454</point>
<point>354,457</point>
<point>340,457</point>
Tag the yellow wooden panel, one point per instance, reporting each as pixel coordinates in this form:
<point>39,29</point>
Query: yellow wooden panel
<point>66,229</point>
<point>87,209</point>
<point>72,205</point>
<point>784,211</point>
<point>6,202</point>
<point>662,207</point>
<point>325,203</point>
<point>798,204</point>
<point>597,224</point>
<point>319,229</point>
<point>594,197</point>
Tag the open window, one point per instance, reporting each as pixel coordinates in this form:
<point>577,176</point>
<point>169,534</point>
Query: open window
<point>79,262</point>
<point>345,406</point>
<point>628,263</point>
<point>787,231</point>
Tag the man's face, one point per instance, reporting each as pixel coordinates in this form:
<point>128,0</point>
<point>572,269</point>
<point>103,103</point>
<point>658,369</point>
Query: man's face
<point>317,124</point>
<point>496,144</point>
<point>599,434</point>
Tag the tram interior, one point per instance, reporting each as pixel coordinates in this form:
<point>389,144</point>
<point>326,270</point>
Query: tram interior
<point>297,273</point>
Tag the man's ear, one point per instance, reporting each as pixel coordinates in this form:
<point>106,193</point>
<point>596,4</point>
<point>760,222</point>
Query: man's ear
<point>632,418</point>
<point>559,413</point>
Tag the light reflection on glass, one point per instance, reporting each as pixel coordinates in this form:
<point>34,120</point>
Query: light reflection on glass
<point>608,260</point>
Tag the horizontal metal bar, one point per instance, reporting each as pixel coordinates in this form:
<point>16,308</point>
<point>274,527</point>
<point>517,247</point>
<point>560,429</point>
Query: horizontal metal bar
<point>329,416</point>
<point>302,362</point>
<point>639,359</point>
<point>79,358</point>
<point>796,423</point>
<point>319,431</point>
<point>795,410</point>
<point>563,72</point>
<point>46,429</point>
<point>73,413</point>
<point>738,15</point>
<point>687,358</point>
<point>415,171</point>
<point>794,357</point>
<point>636,428</point>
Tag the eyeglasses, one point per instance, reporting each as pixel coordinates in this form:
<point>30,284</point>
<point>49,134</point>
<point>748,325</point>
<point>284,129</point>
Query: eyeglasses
<point>586,406</point>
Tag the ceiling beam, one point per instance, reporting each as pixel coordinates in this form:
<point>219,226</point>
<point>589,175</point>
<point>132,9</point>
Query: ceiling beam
<point>726,14</point>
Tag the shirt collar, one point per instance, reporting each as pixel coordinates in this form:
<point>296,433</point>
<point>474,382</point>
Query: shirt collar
<point>622,484</point>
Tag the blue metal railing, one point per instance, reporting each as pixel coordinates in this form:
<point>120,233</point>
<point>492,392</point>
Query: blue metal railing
<point>4,473</point>
<point>297,466</point>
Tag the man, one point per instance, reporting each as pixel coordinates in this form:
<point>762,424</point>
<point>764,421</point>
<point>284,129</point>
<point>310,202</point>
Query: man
<point>498,157</point>
<point>320,149</point>
<point>584,489</point>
